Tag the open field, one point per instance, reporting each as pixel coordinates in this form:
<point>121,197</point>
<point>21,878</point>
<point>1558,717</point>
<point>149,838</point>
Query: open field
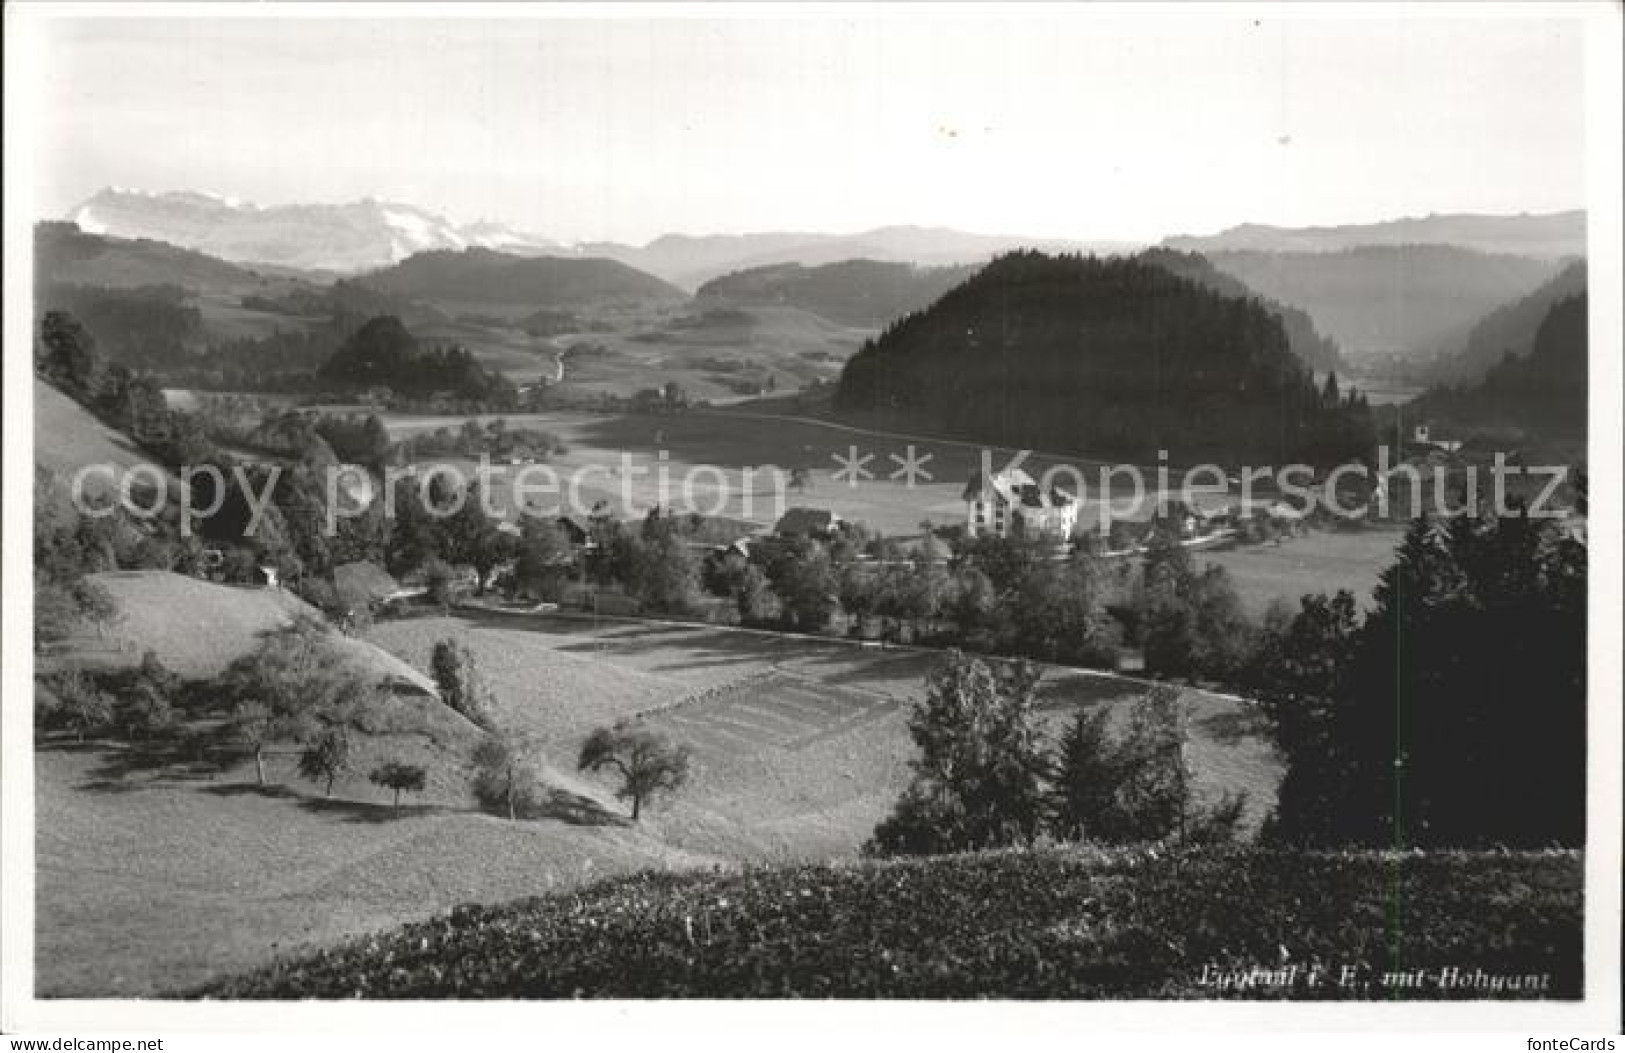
<point>717,355</point>
<point>153,878</point>
<point>734,464</point>
<point>157,884</point>
<point>1322,561</point>
<point>801,746</point>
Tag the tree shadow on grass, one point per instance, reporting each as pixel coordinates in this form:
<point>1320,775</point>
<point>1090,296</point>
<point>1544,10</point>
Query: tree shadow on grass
<point>338,807</point>
<point>562,805</point>
<point>576,809</point>
<point>139,766</point>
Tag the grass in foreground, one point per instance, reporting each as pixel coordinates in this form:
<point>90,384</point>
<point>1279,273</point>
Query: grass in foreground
<point>1055,923</point>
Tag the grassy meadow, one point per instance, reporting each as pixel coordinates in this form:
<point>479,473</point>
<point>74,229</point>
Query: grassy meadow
<point>155,877</point>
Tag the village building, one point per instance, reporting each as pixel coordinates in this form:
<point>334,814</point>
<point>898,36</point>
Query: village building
<point>1012,503</point>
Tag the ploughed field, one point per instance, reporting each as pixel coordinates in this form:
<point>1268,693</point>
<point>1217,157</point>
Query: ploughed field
<point>800,746</point>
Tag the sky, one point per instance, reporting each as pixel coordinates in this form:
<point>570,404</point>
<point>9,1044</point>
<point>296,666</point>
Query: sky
<point>1050,123</point>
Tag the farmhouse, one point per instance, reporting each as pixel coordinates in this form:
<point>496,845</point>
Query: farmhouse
<point>1010,502</point>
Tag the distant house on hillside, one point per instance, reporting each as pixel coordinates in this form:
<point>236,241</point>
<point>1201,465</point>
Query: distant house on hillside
<point>807,522</point>
<point>1010,502</point>
<point>1423,435</point>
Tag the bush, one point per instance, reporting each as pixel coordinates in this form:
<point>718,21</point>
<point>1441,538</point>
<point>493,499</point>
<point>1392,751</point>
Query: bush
<point>504,782</point>
<point>81,706</point>
<point>457,676</point>
<point>1051,924</point>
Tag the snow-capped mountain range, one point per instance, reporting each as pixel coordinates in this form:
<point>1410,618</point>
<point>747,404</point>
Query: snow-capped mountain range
<point>369,234</point>
<point>356,236</point>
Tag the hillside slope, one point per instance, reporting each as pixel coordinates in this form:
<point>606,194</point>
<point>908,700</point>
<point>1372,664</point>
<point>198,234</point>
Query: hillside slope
<point>1061,923</point>
<point>68,437</point>
<point>154,884</point>
<point>66,254</point>
<point>198,627</point>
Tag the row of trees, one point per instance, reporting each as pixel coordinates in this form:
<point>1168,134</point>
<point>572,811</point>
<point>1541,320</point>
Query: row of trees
<point>1451,715</point>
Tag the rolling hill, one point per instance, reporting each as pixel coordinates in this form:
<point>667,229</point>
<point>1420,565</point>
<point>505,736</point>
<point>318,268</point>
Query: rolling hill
<point>862,293</point>
<point>485,278</point>
<point>198,628</point>
<point>1509,328</point>
<point>1400,298</point>
<point>69,255</point>
<point>1550,236</point>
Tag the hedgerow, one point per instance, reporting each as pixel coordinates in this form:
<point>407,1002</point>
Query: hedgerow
<point>1046,923</point>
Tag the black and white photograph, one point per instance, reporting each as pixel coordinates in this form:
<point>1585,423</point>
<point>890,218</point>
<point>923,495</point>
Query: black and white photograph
<point>1082,513</point>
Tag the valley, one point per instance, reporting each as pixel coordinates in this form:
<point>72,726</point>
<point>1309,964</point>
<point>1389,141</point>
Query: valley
<point>205,834</point>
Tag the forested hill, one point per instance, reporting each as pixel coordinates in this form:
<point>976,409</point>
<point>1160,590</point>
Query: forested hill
<point>864,293</point>
<point>1509,328</point>
<point>1318,352</point>
<point>1103,356</point>
<point>1543,394</point>
<point>481,276</point>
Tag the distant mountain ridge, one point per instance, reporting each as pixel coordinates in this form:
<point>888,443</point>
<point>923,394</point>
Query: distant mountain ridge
<point>368,234</point>
<point>345,237</point>
<point>692,261</point>
<point>1549,235</point>
<point>1381,299</point>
